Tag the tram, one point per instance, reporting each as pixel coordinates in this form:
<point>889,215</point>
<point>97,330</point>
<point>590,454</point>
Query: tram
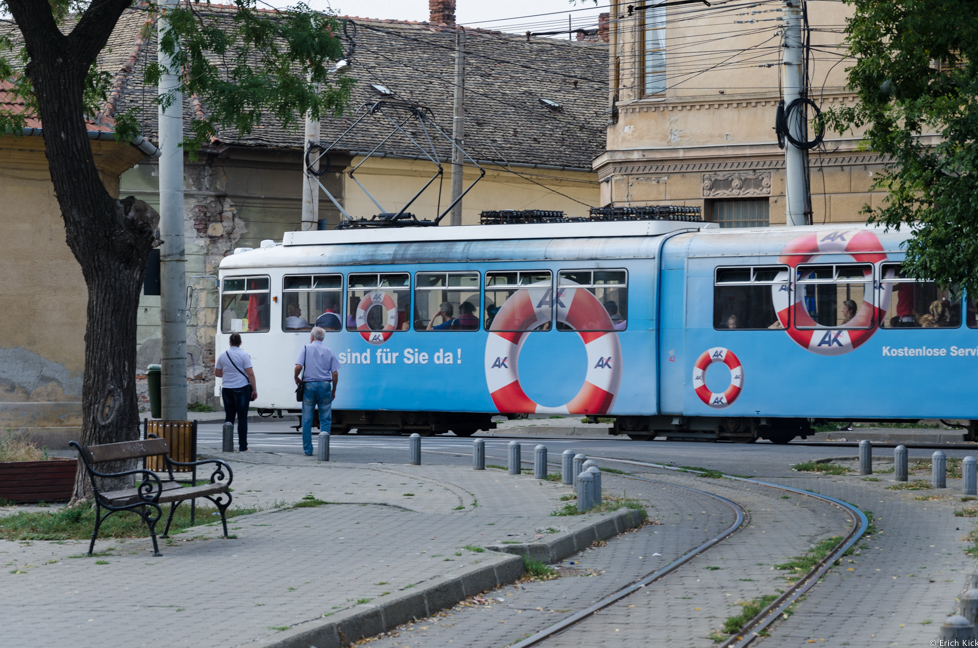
<point>677,329</point>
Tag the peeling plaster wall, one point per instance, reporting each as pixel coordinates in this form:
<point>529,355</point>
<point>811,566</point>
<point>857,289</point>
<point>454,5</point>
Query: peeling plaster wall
<point>232,199</point>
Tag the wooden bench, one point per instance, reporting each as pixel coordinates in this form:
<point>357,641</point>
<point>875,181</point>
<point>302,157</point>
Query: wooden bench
<point>151,490</point>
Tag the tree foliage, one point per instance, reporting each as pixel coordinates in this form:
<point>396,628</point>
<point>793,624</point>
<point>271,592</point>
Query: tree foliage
<point>916,77</point>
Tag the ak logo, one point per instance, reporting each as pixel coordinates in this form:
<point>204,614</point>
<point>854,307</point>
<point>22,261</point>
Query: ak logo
<point>830,339</point>
<point>835,236</point>
<point>500,363</point>
<point>603,363</point>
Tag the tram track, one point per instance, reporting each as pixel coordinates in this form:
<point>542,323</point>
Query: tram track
<point>753,628</point>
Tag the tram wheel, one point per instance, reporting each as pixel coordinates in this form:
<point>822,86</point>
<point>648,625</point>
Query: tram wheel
<point>641,437</point>
<point>465,432</point>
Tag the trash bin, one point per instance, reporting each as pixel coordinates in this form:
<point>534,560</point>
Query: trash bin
<point>154,377</point>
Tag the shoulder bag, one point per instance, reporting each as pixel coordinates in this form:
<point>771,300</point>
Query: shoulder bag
<point>300,390</point>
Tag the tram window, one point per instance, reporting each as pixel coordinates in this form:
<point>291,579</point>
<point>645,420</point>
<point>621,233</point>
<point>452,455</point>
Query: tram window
<point>610,288</point>
<point>446,301</point>
<point>245,305</point>
<point>918,304</point>
<point>749,298</point>
<point>533,313</point>
<point>312,300</point>
<point>837,296</point>
<point>378,301</point>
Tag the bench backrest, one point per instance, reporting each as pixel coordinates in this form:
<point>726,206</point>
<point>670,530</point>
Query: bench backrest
<point>125,450</point>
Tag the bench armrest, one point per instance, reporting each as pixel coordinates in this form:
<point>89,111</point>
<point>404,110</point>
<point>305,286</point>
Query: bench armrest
<point>149,489</point>
<point>221,468</point>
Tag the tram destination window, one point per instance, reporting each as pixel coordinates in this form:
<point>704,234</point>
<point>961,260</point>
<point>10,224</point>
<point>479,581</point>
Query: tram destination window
<point>245,305</point>
<point>447,301</point>
<point>532,308</point>
<point>378,301</point>
<point>918,304</point>
<point>312,300</point>
<point>836,296</point>
<point>608,311</point>
<point>747,297</point>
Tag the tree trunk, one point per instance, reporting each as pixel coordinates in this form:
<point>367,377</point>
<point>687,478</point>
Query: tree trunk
<point>111,239</point>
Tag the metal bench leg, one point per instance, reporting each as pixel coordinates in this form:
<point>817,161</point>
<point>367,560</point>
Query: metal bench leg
<point>222,508</point>
<point>98,523</point>
<point>173,509</point>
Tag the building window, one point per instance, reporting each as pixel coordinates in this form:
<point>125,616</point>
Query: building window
<point>740,213</point>
<point>653,28</point>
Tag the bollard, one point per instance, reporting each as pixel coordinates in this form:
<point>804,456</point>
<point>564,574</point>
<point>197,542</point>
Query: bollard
<point>228,437</point>
<point>969,471</point>
<point>479,454</point>
<point>578,466</point>
<point>973,580</point>
<point>567,467</point>
<point>865,457</point>
<point>954,631</point>
<point>540,462</point>
<point>414,441</point>
<point>596,473</point>
<point>938,470</point>
<point>585,492</point>
<point>900,463</point>
<point>587,464</point>
<point>323,446</point>
<point>515,463</point>
<point>968,605</point>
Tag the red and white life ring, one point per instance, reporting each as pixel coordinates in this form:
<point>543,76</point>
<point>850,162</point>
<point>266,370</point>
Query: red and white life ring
<point>730,394</point>
<point>371,299</point>
<point>862,246</point>
<point>529,308</point>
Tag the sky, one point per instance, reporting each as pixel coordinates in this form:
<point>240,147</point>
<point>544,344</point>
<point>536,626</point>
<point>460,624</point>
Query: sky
<point>515,16</point>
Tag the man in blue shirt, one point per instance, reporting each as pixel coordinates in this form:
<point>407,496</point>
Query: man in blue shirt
<point>318,368</point>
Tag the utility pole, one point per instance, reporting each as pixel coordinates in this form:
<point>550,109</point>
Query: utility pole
<point>458,125</point>
<point>173,282</point>
<point>310,187</point>
<point>796,159</point>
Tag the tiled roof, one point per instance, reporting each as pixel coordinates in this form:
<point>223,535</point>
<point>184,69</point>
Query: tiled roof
<point>11,104</point>
<point>506,78</point>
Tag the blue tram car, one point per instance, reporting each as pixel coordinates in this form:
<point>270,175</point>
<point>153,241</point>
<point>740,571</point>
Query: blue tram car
<point>669,328</point>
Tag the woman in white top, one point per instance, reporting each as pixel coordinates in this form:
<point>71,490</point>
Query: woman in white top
<point>239,387</point>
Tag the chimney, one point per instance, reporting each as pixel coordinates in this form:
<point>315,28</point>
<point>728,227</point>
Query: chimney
<point>441,12</point>
<point>603,21</point>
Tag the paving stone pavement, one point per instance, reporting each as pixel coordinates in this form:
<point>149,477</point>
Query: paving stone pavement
<point>683,608</point>
<point>390,530</point>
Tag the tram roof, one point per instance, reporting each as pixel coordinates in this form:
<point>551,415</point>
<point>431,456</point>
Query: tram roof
<point>593,229</point>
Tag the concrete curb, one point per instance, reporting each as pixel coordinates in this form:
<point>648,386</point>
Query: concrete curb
<point>371,619</point>
<point>571,542</point>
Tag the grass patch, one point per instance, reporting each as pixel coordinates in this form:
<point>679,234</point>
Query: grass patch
<point>801,565</point>
<point>615,471</point>
<point>913,484</point>
<point>200,407</point>
<point>309,501</point>
<point>821,467</point>
<point>537,570</point>
<point>703,472</point>
<point>473,548</point>
<point>77,523</point>
<point>496,466</point>
<point>751,609</point>
<point>15,447</point>
<point>608,504</point>
<point>968,513</point>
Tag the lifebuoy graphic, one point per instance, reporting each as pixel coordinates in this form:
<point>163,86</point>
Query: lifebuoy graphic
<point>861,245</point>
<point>529,308</point>
<point>727,357</point>
<point>371,299</point>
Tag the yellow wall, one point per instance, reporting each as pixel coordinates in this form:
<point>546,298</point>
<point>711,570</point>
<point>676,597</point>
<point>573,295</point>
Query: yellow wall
<point>713,127</point>
<point>392,182</point>
<point>42,323</point>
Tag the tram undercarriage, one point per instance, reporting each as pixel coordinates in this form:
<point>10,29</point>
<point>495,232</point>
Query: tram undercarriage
<point>406,423</point>
<point>737,430</point>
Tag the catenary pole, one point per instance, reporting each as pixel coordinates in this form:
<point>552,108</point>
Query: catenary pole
<point>310,188</point>
<point>173,282</point>
<point>458,125</point>
<point>793,75</point>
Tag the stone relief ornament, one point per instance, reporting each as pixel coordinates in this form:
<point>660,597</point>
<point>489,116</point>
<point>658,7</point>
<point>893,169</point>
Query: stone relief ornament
<point>722,185</point>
